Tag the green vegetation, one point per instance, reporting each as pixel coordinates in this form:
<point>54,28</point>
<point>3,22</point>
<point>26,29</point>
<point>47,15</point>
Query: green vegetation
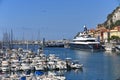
<point>117,23</point>
<point>115,38</point>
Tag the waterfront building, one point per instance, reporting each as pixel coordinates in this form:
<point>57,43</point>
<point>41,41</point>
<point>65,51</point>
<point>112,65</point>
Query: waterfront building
<point>115,31</point>
<point>103,34</point>
<point>100,33</point>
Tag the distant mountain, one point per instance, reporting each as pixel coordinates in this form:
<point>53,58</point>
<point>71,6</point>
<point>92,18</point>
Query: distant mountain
<point>113,19</point>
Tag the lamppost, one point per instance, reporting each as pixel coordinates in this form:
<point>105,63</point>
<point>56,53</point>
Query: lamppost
<point>109,33</point>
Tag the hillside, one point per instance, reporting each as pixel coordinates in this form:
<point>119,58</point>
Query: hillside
<point>113,19</point>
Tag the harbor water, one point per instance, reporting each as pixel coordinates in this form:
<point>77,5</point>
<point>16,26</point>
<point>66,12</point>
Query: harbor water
<point>96,65</point>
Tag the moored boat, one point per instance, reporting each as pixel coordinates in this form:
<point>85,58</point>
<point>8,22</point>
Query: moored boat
<point>84,41</point>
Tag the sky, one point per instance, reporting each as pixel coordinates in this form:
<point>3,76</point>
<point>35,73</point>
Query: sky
<point>52,19</point>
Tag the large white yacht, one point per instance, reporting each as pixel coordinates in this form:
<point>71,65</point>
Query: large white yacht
<point>84,41</point>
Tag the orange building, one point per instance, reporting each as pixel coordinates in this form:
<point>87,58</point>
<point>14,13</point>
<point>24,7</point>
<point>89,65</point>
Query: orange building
<point>102,33</point>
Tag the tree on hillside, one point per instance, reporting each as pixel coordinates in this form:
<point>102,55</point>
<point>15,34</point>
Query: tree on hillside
<point>117,23</point>
<point>112,25</point>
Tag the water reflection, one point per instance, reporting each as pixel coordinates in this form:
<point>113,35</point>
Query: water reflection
<point>99,65</point>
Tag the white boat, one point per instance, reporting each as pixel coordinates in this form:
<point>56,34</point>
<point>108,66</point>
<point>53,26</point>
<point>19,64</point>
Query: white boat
<point>51,76</point>
<point>39,67</point>
<point>75,65</point>
<point>5,66</point>
<point>84,41</point>
<point>15,65</point>
<point>5,63</point>
<point>25,66</point>
<point>61,65</point>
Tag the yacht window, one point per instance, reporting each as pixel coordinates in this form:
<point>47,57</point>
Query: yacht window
<point>90,40</point>
<point>89,35</point>
<point>84,41</point>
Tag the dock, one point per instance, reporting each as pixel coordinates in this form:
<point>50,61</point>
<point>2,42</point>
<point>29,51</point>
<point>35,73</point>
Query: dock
<point>112,47</point>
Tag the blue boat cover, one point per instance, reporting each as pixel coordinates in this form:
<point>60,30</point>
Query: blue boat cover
<point>38,73</point>
<point>23,78</point>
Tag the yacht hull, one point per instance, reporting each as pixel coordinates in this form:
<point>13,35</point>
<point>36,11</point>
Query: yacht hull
<point>92,47</point>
